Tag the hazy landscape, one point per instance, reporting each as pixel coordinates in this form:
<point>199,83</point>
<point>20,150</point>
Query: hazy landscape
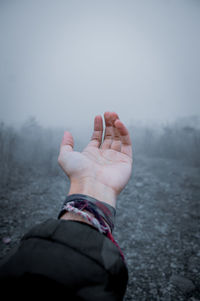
<point>157,223</point>
<point>63,62</point>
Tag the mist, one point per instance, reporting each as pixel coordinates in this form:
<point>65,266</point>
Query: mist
<point>65,61</point>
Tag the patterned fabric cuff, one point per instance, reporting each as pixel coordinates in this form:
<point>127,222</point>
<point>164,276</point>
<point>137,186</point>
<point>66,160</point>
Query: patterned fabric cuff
<point>106,211</point>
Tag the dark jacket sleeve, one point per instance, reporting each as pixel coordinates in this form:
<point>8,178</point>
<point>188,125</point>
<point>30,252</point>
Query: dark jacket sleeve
<point>66,257</point>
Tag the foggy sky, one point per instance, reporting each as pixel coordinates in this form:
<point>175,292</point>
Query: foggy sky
<point>65,61</point>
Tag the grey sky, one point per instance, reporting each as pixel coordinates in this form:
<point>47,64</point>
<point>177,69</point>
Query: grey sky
<point>65,61</point>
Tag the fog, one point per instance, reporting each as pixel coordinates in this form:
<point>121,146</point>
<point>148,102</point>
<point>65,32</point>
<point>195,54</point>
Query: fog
<point>61,63</point>
<point>65,61</point>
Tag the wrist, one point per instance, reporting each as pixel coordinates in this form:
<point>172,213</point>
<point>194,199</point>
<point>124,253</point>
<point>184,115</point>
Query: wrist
<point>94,189</point>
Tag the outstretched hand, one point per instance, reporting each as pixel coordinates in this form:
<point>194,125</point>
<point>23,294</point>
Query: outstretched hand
<point>104,167</point>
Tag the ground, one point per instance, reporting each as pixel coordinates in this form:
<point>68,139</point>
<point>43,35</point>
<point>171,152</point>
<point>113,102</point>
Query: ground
<point>157,225</point>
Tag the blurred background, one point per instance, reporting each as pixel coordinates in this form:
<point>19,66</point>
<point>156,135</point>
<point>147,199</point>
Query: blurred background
<point>64,61</point>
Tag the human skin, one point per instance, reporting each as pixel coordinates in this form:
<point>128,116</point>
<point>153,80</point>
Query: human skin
<point>103,168</point>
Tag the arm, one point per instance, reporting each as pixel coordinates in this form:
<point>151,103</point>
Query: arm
<point>103,169</point>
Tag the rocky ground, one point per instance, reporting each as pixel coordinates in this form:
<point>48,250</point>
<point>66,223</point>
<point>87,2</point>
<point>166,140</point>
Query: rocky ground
<point>157,225</point>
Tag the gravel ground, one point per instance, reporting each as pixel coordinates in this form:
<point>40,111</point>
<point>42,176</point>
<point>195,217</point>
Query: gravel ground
<point>157,225</point>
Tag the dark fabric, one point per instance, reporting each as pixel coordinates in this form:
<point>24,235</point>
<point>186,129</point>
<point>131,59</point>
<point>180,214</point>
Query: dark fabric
<point>65,257</point>
<point>105,210</point>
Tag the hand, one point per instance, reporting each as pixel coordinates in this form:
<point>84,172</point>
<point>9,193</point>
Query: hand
<point>103,168</point>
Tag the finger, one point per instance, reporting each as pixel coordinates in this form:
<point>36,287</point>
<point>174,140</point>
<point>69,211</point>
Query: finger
<point>98,132</point>
<point>109,130</point>
<point>116,143</point>
<point>126,147</point>
<point>67,141</point>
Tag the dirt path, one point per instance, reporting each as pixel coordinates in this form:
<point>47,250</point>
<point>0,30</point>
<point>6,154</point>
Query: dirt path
<point>157,225</point>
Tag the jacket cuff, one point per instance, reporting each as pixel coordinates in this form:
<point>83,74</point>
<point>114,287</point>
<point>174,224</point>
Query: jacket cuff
<point>105,210</point>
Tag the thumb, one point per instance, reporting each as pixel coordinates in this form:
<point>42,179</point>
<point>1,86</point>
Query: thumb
<point>67,141</point>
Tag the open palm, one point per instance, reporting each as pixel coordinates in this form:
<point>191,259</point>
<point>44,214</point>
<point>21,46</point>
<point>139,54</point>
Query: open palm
<point>108,162</point>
